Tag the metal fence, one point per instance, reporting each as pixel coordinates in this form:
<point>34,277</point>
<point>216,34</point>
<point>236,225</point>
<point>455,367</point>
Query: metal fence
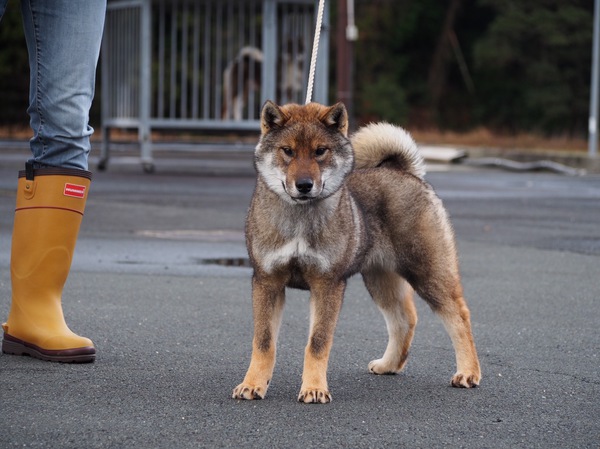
<point>204,64</point>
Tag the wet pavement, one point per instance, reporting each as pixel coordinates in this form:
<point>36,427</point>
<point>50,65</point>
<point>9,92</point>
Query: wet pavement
<point>159,283</point>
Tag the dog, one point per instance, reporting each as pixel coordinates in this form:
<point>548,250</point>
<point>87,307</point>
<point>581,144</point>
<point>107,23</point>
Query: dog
<point>244,70</point>
<point>243,75</point>
<point>326,207</point>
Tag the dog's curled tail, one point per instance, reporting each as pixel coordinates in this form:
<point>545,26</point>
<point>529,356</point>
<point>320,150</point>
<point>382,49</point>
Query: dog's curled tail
<point>382,144</point>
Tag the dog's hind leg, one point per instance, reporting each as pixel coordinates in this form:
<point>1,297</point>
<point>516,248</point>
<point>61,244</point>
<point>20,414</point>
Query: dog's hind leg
<point>456,318</point>
<point>394,297</point>
<point>447,301</point>
<point>325,304</point>
<point>268,301</point>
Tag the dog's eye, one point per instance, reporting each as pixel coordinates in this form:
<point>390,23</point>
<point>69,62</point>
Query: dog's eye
<point>320,151</point>
<point>287,151</point>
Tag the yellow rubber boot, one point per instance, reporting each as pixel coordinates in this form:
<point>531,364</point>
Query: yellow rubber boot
<point>50,205</point>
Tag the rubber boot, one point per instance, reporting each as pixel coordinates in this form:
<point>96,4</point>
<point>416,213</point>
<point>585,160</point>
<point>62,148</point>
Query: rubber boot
<point>50,205</point>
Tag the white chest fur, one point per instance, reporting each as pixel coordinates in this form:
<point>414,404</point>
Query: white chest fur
<point>296,248</point>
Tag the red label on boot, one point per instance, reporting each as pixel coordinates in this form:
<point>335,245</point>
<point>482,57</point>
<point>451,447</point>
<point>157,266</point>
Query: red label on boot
<point>74,190</point>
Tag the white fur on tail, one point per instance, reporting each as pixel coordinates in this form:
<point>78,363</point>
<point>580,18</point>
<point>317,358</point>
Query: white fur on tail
<point>378,142</point>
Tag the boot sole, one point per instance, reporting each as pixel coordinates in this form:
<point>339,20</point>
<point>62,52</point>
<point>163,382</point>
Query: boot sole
<point>14,346</point>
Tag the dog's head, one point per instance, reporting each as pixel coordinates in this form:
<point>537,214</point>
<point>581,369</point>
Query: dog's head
<point>304,153</point>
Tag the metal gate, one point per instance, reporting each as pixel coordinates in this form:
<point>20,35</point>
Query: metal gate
<point>204,64</point>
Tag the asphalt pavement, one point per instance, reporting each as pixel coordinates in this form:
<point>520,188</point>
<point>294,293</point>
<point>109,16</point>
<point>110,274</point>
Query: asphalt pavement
<point>159,283</point>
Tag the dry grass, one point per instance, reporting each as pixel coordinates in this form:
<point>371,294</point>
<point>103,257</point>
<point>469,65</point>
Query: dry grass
<point>484,138</point>
<point>15,132</point>
<point>125,135</point>
<point>481,137</point>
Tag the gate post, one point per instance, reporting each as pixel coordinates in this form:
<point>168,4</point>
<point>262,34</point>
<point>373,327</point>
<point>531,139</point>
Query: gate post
<point>269,45</point>
<point>144,130</point>
<point>320,90</point>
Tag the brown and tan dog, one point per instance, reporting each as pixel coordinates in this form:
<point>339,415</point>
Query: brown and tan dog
<point>326,207</point>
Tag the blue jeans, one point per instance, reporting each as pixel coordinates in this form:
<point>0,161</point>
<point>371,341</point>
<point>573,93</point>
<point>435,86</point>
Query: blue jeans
<point>63,40</point>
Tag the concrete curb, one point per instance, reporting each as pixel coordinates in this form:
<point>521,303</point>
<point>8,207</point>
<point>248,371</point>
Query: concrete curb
<point>574,164</point>
<point>579,161</point>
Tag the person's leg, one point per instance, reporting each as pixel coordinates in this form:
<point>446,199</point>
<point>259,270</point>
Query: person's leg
<point>63,40</point>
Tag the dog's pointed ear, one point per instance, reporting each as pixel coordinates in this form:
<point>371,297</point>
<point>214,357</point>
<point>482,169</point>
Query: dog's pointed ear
<point>336,117</point>
<point>271,117</point>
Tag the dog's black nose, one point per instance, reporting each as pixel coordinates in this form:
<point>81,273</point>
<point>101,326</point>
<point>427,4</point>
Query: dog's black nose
<point>304,185</point>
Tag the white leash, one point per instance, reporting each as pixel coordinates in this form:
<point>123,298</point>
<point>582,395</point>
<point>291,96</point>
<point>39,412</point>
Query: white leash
<point>315,49</point>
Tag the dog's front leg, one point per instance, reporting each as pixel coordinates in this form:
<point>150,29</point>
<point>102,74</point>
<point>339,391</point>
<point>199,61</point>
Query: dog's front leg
<point>267,301</point>
<point>325,304</point>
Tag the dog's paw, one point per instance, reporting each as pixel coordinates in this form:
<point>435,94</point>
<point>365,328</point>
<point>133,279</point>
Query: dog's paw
<point>314,396</point>
<point>380,366</point>
<point>464,380</point>
<point>248,392</point>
